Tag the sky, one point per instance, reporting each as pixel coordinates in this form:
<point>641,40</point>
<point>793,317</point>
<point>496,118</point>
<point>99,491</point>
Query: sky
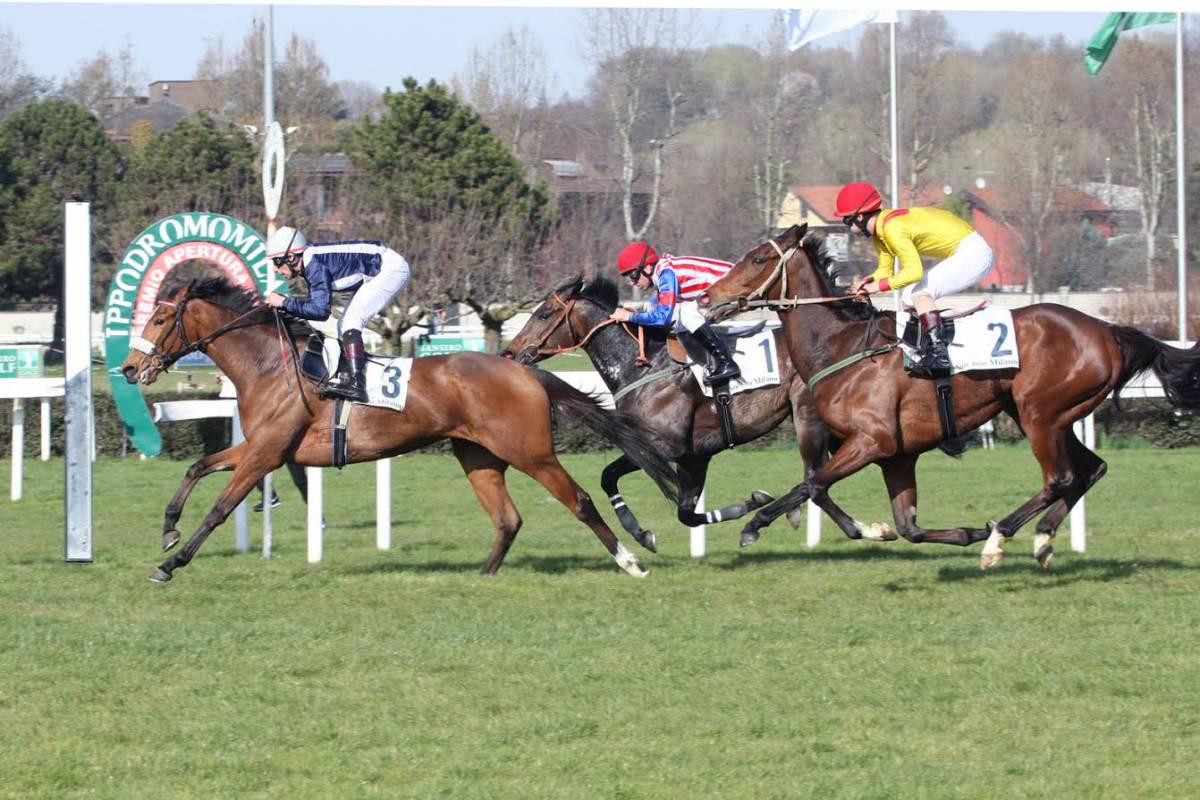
<point>381,44</point>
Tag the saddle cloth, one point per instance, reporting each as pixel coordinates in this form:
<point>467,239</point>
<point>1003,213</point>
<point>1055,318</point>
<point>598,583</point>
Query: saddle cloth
<point>387,377</point>
<point>757,358</point>
<point>984,339</point>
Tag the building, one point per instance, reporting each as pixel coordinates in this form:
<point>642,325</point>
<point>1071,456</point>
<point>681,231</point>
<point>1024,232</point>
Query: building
<point>165,103</point>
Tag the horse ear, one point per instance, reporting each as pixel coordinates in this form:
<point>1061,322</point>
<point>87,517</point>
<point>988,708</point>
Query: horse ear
<point>796,232</point>
<point>570,286</point>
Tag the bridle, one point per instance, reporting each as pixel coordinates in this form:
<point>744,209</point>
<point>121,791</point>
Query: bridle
<point>538,348</point>
<point>756,298</point>
<point>161,361</point>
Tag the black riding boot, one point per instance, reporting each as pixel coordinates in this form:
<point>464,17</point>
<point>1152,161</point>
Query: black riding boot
<point>934,356</point>
<point>724,368</point>
<point>351,385</point>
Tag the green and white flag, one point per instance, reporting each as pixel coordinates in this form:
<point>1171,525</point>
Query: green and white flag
<point>1101,45</point>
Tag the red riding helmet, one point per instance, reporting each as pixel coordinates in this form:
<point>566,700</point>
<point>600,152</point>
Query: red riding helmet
<point>635,255</point>
<point>859,197</point>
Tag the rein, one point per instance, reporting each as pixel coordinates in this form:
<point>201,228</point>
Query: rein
<point>164,361</point>
<point>756,300</point>
<point>567,305</point>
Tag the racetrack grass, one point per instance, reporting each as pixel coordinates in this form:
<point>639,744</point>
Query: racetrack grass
<point>852,670</point>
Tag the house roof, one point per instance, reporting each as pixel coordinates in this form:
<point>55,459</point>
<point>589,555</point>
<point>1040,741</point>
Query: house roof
<point>161,116</point>
<point>820,198</point>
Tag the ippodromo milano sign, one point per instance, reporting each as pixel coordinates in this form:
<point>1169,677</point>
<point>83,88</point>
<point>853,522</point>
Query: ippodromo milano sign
<point>232,246</point>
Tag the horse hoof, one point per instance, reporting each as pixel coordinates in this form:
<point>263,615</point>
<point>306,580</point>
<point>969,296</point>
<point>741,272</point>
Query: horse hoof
<point>795,517</point>
<point>759,498</point>
<point>749,537</point>
<point>160,575</point>
<point>647,540</point>
<point>989,560</point>
<point>1044,556</point>
<point>879,532</point>
<point>170,539</point>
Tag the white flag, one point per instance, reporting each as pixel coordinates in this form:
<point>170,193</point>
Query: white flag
<point>806,26</point>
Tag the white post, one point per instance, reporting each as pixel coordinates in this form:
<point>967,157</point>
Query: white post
<point>1085,430</point>
<point>1180,180</point>
<point>383,504</point>
<point>698,533</point>
<point>77,352</point>
<point>241,518</point>
<point>18,447</point>
<point>45,429</point>
<point>813,524</point>
<point>316,502</point>
<point>267,492</point>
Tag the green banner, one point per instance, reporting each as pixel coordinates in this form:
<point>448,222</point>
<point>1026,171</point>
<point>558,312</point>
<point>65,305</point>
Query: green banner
<point>442,344</point>
<point>21,362</point>
<point>233,247</point>
<point>1101,45</point>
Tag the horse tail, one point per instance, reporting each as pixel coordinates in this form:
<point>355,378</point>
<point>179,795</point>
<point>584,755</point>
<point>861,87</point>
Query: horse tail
<point>617,427</point>
<point>1178,370</point>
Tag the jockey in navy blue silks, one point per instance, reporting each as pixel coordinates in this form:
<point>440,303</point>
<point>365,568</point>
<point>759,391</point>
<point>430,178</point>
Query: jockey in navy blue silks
<point>371,270</point>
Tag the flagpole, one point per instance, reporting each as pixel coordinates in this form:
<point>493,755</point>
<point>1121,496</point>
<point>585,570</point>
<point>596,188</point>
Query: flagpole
<point>895,122</point>
<point>1180,179</point>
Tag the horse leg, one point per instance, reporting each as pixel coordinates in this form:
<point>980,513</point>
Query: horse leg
<point>608,479</point>
<point>251,467</point>
<point>693,474</point>
<point>1050,448</point>
<point>217,462</point>
<point>486,474</point>
<point>854,454</point>
<point>812,437</point>
<point>900,475</point>
<point>1088,468</point>
<point>550,473</point>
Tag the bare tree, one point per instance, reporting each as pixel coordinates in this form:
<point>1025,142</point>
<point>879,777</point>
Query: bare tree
<point>629,47</point>
<point>360,99</point>
<point>18,86</point>
<point>102,76</point>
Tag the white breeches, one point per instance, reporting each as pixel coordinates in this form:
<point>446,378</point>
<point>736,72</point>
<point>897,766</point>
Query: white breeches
<point>688,316</point>
<point>972,260</point>
<point>375,294</point>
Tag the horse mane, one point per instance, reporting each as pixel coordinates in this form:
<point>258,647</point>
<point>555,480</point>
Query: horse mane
<point>217,290</point>
<point>601,291</point>
<point>823,264</point>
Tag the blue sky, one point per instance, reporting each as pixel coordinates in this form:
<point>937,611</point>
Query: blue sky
<point>382,44</point>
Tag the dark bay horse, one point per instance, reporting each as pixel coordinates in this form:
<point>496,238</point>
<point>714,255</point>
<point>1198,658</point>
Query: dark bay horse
<point>1070,362</point>
<point>496,414</point>
<point>671,407</point>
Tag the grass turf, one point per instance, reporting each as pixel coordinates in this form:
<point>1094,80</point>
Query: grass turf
<point>852,670</point>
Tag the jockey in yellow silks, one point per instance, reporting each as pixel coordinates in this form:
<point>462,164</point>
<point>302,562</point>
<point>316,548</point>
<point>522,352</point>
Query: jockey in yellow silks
<point>907,234</point>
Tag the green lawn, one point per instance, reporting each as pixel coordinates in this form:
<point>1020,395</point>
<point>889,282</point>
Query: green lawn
<point>852,670</point>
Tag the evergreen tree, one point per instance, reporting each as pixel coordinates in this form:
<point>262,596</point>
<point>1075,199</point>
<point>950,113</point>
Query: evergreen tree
<point>450,196</point>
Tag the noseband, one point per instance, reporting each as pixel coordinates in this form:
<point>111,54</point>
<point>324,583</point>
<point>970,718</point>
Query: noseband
<point>568,306</point>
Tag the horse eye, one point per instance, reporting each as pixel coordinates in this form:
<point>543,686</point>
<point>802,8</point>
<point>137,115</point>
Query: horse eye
<point>159,321</point>
<point>760,260</point>
<point>544,315</point>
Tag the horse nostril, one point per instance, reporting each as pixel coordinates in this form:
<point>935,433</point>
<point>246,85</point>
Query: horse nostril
<point>507,354</point>
<point>704,300</point>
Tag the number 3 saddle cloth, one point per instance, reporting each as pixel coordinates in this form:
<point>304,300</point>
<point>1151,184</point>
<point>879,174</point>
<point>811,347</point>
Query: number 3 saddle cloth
<point>387,377</point>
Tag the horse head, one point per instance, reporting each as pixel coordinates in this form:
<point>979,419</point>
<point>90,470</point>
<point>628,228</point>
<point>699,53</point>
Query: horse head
<point>185,321</point>
<point>755,276</point>
<point>549,327</point>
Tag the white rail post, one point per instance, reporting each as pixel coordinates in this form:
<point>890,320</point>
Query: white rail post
<point>241,518</point>
<point>77,352</point>
<point>316,511</point>
<point>1085,430</point>
<point>268,491</point>
<point>45,428</point>
<point>813,525</point>
<point>697,537</point>
<point>383,504</point>
<point>18,448</point>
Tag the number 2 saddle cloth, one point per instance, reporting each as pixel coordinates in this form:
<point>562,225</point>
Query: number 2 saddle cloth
<point>387,377</point>
<point>980,338</point>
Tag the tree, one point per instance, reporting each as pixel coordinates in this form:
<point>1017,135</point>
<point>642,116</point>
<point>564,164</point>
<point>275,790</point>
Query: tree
<point>437,183</point>
<point>18,86</point>
<point>638,53</point>
<point>104,76</point>
<point>53,152</point>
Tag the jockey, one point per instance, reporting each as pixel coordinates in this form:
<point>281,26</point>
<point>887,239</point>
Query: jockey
<point>371,270</point>
<point>677,278</point>
<point>908,234</point>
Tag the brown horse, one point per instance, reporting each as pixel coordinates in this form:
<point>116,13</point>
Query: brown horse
<point>1070,362</point>
<point>496,413</point>
<point>679,419</point>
